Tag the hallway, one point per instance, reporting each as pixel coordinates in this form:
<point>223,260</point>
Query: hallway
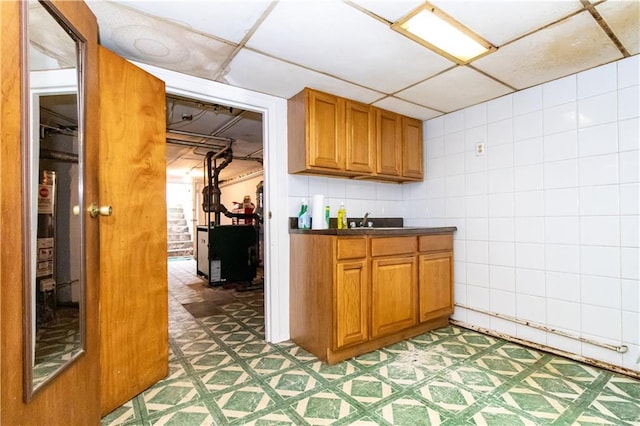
<point>222,372</point>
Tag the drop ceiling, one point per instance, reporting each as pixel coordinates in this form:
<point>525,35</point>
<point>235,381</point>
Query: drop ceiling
<point>348,48</point>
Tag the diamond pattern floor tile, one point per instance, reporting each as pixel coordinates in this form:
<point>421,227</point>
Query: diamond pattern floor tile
<point>475,379</point>
<point>222,372</point>
<point>614,406</point>
<point>335,372</point>
<point>323,408</point>
<point>496,415</point>
<point>165,396</point>
<point>243,402</point>
<point>448,396</point>
<point>293,383</point>
<point>196,415</point>
<point>270,364</point>
<point>210,360</point>
<point>367,389</point>
<point>274,418</point>
<point>225,377</point>
<point>499,365</point>
<point>555,385</point>
<point>410,412</point>
<point>543,407</point>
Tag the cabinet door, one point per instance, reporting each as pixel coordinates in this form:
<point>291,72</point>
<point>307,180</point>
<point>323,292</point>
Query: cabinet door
<point>393,295</point>
<point>325,127</point>
<point>351,298</point>
<point>412,148</point>
<point>388,143</point>
<point>436,286</point>
<point>359,137</point>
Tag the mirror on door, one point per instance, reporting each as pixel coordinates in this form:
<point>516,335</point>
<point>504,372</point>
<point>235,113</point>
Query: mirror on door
<point>52,195</point>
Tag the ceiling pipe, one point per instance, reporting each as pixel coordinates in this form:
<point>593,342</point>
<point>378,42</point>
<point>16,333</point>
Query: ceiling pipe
<point>199,135</point>
<point>172,141</point>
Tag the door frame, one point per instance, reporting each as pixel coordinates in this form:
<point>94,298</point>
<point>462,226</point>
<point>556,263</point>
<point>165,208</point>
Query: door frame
<point>276,203</point>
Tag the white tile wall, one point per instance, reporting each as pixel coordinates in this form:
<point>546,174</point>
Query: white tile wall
<point>550,227</point>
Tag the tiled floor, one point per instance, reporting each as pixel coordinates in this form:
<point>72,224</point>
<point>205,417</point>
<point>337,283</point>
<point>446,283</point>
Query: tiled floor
<point>222,372</point>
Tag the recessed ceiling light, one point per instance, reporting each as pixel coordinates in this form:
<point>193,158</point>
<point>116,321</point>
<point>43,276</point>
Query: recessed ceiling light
<point>439,32</point>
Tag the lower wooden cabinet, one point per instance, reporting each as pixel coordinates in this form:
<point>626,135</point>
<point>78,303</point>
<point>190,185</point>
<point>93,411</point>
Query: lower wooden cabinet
<point>352,295</point>
<point>436,294</point>
<point>394,295</point>
<point>351,304</point>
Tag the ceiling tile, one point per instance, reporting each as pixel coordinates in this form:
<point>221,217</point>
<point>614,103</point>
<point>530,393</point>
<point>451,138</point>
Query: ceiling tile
<point>229,20</point>
<point>499,21</point>
<point>623,18</point>
<point>406,108</point>
<point>140,37</point>
<point>389,10</point>
<point>335,38</point>
<point>454,89</point>
<point>568,47</point>
<point>261,73</point>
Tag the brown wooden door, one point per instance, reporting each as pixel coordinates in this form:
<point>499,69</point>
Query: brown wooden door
<point>133,241</point>
<point>389,143</point>
<point>72,397</point>
<point>436,286</point>
<point>351,304</point>
<point>360,137</point>
<point>393,295</point>
<point>325,128</point>
<point>412,166</point>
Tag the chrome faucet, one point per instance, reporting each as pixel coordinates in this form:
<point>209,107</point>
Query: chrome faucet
<point>364,219</point>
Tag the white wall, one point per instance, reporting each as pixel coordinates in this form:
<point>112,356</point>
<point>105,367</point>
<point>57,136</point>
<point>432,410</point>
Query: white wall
<point>547,219</point>
<point>236,191</point>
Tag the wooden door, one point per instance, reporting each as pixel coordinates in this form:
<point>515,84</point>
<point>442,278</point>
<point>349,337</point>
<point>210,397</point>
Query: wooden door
<point>360,137</point>
<point>133,241</point>
<point>325,127</point>
<point>412,163</point>
<point>393,295</point>
<point>351,298</point>
<point>389,147</point>
<point>436,286</point>
<point>72,397</point>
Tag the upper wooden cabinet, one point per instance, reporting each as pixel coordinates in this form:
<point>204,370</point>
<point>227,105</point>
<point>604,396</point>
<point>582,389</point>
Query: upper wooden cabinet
<point>412,148</point>
<point>389,143</point>
<point>316,132</point>
<point>330,135</point>
<point>360,137</point>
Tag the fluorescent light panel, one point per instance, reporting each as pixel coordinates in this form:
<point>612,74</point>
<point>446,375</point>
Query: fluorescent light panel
<point>436,30</point>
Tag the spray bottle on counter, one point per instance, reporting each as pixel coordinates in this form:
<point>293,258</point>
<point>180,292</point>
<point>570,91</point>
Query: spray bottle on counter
<point>304,221</point>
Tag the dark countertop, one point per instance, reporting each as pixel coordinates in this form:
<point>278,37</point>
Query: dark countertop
<point>408,230</point>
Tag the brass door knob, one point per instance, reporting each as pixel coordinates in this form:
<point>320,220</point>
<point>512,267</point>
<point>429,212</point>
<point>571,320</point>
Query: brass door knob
<point>96,211</point>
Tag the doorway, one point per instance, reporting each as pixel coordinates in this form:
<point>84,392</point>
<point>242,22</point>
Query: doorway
<point>230,236</point>
<point>276,204</point>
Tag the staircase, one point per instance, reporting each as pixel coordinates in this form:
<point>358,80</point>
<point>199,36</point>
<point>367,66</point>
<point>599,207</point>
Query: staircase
<point>179,242</point>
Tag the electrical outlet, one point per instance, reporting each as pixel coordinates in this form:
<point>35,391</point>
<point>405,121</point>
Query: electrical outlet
<point>480,149</point>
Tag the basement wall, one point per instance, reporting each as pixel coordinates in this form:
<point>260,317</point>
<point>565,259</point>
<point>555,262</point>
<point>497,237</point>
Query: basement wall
<point>547,218</point>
